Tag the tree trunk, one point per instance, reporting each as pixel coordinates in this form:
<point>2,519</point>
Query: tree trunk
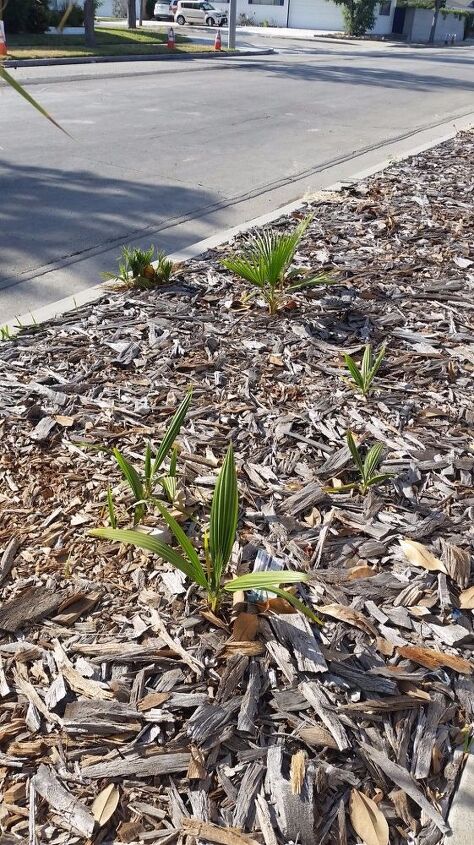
<point>434,23</point>
<point>132,14</point>
<point>140,19</point>
<point>89,15</point>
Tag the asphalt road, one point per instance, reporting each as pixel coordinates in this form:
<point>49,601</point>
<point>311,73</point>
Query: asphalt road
<point>169,153</point>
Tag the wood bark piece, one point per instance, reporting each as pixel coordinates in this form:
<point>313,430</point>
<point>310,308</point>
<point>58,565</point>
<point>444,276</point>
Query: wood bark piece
<point>294,631</point>
<point>295,812</point>
<point>139,765</point>
<point>31,604</point>
<point>316,696</point>
<point>72,811</point>
<point>8,557</point>
<point>213,833</point>
<point>404,780</point>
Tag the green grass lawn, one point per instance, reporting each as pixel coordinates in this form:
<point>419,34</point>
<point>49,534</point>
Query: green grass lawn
<point>109,42</point>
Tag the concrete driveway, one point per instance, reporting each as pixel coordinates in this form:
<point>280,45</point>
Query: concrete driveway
<point>169,153</point>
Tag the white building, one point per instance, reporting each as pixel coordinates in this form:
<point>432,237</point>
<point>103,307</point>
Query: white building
<point>298,14</point>
<point>413,23</point>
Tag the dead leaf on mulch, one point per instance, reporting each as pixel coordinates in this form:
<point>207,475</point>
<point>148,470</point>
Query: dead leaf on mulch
<point>367,820</point>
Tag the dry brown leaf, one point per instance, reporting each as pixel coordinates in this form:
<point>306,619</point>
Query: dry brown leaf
<point>419,555</point>
<point>105,804</point>
<point>367,820</point>
<point>361,571</point>
<point>466,599</point>
<point>297,771</point>
<point>432,659</point>
<point>245,627</point>
<point>347,614</point>
<point>65,422</point>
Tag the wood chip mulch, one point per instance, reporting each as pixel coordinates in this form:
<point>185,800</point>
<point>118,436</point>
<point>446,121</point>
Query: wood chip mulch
<point>128,713</point>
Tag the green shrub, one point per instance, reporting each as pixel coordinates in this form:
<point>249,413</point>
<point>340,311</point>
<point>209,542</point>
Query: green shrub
<point>26,15</point>
<point>74,18</point>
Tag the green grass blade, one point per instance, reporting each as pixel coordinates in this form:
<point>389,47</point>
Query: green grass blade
<point>24,93</point>
<point>354,371</point>
<point>223,519</point>
<point>372,460</point>
<point>171,433</point>
<point>186,545</point>
<point>149,544</point>
<point>355,452</point>
<point>131,476</point>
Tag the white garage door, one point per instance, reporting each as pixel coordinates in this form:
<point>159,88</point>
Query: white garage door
<point>315,14</point>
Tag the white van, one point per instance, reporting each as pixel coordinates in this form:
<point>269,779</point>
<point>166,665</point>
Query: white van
<point>193,11</point>
<point>162,11</point>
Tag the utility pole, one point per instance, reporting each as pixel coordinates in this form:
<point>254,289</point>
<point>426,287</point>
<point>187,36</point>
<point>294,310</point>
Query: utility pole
<point>232,24</point>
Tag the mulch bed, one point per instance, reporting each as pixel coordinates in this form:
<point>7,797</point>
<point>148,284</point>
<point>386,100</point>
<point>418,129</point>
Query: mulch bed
<point>128,713</point>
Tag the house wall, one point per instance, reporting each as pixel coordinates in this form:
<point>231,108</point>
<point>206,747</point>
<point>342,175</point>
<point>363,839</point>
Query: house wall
<point>297,14</point>
<point>418,25</point>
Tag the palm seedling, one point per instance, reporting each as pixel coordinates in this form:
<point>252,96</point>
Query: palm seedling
<point>136,268</point>
<point>143,486</point>
<point>367,468</point>
<point>369,368</point>
<point>5,333</point>
<point>266,264</point>
<point>211,574</point>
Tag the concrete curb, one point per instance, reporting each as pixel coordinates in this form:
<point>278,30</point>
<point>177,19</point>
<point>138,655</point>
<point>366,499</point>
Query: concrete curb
<point>93,294</point>
<point>461,813</point>
<point>159,57</point>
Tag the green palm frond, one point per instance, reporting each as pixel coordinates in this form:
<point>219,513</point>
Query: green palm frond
<point>369,368</point>
<point>29,99</point>
<point>266,259</point>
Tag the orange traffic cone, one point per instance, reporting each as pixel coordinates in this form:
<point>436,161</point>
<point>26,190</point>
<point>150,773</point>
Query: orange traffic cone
<point>171,39</point>
<point>218,40</point>
<point>3,41</point>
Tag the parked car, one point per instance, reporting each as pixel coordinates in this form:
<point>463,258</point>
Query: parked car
<point>163,11</point>
<point>193,11</point>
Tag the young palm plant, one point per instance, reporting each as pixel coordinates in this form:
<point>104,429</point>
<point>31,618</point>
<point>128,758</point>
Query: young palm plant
<point>367,467</point>
<point>369,368</point>
<point>142,486</point>
<point>210,576</point>
<point>266,263</point>
<point>136,269</point>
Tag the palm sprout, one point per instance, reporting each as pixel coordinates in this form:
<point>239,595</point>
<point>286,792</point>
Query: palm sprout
<point>211,576</point>
<point>266,263</point>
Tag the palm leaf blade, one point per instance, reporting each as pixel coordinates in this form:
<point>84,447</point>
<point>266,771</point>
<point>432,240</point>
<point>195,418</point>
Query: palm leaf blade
<point>352,367</point>
<point>171,434</point>
<point>355,452</point>
<point>131,475</point>
<point>149,544</point>
<point>224,517</point>
<point>185,544</point>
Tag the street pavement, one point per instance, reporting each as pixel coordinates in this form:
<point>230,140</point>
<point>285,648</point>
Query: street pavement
<point>171,152</point>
